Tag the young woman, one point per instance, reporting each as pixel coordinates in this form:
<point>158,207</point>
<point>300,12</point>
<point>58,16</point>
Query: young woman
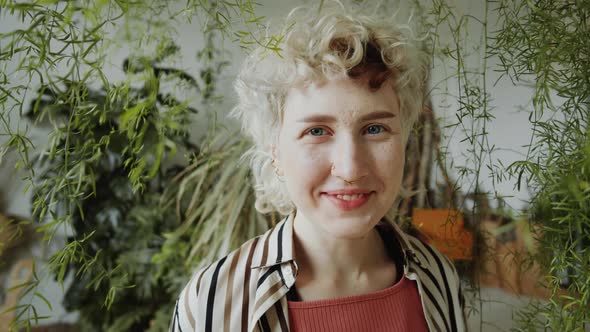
<point>330,118</point>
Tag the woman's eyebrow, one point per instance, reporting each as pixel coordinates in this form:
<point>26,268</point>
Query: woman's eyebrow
<point>378,115</point>
<point>329,118</point>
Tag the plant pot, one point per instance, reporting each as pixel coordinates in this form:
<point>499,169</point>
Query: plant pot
<point>443,229</point>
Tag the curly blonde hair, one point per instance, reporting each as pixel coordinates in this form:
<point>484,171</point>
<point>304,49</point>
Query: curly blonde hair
<point>334,42</point>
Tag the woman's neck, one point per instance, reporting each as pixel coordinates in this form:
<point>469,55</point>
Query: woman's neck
<point>341,262</point>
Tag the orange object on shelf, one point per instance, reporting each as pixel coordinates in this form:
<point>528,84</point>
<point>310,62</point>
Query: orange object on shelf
<point>444,230</point>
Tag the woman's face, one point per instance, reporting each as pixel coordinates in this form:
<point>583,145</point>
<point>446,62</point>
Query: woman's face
<point>341,150</point>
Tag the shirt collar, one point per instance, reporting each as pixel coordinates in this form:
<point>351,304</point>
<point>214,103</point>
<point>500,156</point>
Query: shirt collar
<point>393,232</point>
<point>397,242</point>
<point>278,245</point>
<point>279,242</point>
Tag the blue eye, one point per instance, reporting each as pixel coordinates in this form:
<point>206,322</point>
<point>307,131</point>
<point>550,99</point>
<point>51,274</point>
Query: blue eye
<point>374,129</point>
<point>316,131</point>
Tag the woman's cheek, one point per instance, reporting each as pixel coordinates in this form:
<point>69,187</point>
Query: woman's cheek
<point>390,159</point>
<point>310,163</point>
<point>306,151</point>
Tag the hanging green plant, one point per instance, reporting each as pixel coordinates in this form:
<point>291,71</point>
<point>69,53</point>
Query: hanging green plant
<point>118,141</point>
<point>546,42</point>
<point>107,164</point>
<point>544,45</point>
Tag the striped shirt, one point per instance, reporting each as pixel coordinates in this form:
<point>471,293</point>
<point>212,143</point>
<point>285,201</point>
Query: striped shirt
<point>247,290</point>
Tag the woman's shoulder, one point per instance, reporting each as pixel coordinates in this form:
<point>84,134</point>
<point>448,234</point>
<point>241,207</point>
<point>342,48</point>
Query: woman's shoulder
<point>231,276</point>
<point>440,279</point>
<point>236,264</point>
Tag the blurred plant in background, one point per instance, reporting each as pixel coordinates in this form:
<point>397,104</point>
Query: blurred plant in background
<point>114,226</point>
<point>106,178</point>
<point>544,45</point>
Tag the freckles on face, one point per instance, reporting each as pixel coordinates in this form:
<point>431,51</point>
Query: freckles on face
<point>340,136</point>
<point>305,165</point>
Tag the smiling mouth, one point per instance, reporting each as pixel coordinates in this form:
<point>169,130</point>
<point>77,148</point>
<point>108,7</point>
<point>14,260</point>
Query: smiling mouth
<point>348,202</point>
<point>350,197</point>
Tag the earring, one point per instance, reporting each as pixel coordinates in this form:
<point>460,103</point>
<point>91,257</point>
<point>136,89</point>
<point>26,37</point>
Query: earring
<point>278,173</point>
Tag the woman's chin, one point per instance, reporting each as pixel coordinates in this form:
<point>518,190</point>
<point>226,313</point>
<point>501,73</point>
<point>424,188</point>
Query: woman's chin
<point>349,228</point>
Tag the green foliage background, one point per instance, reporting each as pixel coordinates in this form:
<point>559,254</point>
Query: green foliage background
<point>108,179</point>
<point>542,45</point>
<point>547,42</point>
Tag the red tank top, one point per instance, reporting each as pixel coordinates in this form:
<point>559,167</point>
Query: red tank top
<point>396,308</point>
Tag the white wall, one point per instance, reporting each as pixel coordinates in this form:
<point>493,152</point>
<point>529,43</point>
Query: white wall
<point>508,133</point>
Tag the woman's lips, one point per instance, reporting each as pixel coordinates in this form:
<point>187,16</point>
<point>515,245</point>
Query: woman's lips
<point>347,205</point>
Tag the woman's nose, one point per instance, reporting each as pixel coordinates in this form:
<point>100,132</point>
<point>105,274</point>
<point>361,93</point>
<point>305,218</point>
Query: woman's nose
<point>350,161</point>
